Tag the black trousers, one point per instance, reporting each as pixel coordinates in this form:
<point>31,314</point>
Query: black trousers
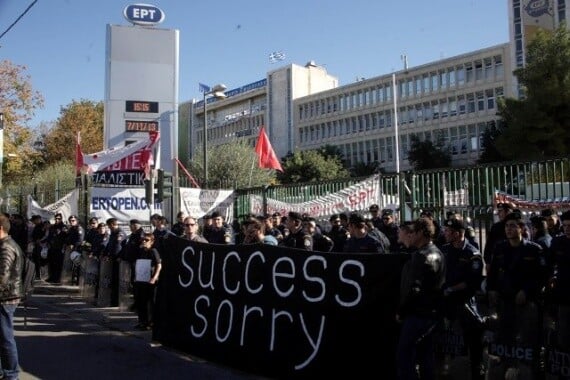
<point>55,264</point>
<point>144,301</point>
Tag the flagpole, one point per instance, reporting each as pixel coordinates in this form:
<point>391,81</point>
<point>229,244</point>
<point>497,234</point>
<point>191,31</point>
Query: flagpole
<point>396,135</point>
<point>251,170</point>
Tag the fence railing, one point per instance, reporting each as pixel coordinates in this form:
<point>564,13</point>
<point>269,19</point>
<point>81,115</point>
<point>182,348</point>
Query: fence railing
<point>468,190</point>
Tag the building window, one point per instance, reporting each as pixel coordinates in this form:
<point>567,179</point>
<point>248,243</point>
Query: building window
<point>499,69</point>
<point>426,84</point>
<point>490,99</point>
<point>461,76</point>
<point>434,82</point>
<point>452,107</point>
<point>443,79</point>
<point>478,70</point>
<point>480,101</point>
<point>488,68</point>
<point>418,86</point>
<point>469,73</point>
<point>470,103</point>
<point>452,78</point>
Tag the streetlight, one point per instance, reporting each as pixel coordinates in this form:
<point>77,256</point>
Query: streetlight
<point>218,92</point>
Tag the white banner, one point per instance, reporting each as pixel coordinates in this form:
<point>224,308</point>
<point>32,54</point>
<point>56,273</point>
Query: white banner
<point>67,206</point>
<point>457,198</point>
<point>357,197</point>
<point>199,202</point>
<point>121,203</point>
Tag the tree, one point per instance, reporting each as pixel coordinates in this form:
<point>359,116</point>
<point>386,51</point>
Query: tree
<point>311,166</point>
<point>427,155</point>
<point>18,100</point>
<point>232,165</point>
<point>537,126</point>
<point>489,146</point>
<point>85,116</point>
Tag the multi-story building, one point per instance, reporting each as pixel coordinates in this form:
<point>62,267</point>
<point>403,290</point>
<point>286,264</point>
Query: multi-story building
<point>453,100</point>
<point>267,102</point>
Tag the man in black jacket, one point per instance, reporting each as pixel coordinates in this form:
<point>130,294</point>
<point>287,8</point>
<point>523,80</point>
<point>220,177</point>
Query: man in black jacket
<point>11,263</point>
<point>420,303</point>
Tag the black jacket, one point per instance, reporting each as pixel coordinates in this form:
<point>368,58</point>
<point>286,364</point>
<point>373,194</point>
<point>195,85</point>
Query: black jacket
<point>11,262</point>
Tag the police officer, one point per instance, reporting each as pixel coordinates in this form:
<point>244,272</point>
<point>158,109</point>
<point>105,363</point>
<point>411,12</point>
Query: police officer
<point>375,216</point>
<point>220,232</point>
<point>297,237</point>
<point>321,243</point>
<point>360,239</point>
<point>514,283</point>
<point>464,269</point>
<point>389,227</point>
<point>559,283</point>
<point>497,232</point>
<point>338,234</point>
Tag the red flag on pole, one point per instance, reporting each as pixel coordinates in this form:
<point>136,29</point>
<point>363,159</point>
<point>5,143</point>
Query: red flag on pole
<point>267,157</point>
<point>78,155</point>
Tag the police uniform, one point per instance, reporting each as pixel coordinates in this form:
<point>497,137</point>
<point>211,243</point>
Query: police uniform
<point>514,269</point>
<point>560,284</point>
<point>464,265</point>
<point>339,235</point>
<point>366,244</point>
<point>223,235</point>
<point>322,243</point>
<point>299,239</point>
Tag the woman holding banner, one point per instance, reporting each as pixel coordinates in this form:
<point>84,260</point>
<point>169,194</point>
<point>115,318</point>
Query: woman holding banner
<point>147,269</point>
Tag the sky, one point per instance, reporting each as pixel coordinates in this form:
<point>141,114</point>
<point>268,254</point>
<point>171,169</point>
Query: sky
<point>62,42</point>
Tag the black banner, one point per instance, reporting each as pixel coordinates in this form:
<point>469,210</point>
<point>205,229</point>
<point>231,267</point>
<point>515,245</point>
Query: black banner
<point>124,178</point>
<point>280,312</point>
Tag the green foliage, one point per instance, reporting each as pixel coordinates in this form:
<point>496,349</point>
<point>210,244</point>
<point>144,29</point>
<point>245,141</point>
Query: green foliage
<point>427,155</point>
<point>489,147</point>
<point>311,166</point>
<point>537,125</point>
<point>233,165</point>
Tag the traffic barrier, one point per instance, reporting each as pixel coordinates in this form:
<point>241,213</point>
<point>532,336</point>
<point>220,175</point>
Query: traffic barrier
<point>105,282</point>
<point>125,286</point>
<point>89,278</point>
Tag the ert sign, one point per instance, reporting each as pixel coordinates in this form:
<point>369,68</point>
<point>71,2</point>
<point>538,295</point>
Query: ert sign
<point>143,14</point>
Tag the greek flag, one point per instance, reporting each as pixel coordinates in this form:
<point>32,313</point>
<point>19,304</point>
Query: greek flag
<point>276,56</point>
<point>203,88</point>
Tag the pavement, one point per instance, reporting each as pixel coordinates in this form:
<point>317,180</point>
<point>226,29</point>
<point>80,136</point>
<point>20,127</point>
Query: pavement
<point>61,335</point>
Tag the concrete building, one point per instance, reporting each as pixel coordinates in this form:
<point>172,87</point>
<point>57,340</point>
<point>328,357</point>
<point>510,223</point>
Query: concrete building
<point>526,17</point>
<point>453,100</point>
<point>267,102</point>
<point>304,108</point>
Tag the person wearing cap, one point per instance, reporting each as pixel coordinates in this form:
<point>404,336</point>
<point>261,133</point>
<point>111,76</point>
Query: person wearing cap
<point>55,240</point>
<point>559,283</point>
<point>321,242</point>
<point>297,237</point>
<point>375,216</point>
<point>361,241</point>
<point>514,284</point>
<point>464,273</point>
<point>91,230</point>
<point>390,228</point>
<point>220,232</point>
<point>133,241</point>
<point>497,232</point>
<point>280,224</point>
<point>420,308</point>
<point>338,234</point>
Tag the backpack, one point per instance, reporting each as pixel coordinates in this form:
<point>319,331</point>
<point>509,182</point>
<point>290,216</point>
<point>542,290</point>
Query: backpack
<point>28,277</point>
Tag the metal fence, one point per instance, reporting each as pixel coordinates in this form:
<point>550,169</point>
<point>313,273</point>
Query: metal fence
<point>469,190</point>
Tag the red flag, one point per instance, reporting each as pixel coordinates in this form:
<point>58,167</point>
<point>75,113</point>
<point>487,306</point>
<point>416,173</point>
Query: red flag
<point>78,155</point>
<point>267,157</point>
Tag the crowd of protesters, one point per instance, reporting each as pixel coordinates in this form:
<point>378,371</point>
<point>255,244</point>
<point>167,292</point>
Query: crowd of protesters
<point>519,282</point>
